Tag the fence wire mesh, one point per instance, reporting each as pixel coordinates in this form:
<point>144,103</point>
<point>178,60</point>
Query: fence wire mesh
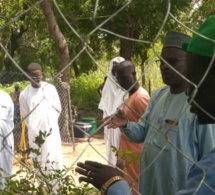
<point>66,120</point>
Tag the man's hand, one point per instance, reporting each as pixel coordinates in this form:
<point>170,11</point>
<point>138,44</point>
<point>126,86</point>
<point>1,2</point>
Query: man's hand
<point>118,120</point>
<point>120,163</point>
<point>96,173</point>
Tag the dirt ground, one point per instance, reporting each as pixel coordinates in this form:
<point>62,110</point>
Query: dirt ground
<point>83,149</point>
<point>93,149</point>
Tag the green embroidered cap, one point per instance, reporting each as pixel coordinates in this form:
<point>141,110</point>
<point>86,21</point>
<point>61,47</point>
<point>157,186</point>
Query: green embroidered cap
<point>201,45</point>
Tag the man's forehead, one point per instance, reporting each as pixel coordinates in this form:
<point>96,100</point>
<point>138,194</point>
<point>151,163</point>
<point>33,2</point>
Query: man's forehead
<point>172,53</point>
<point>35,72</point>
<point>171,50</point>
<point>125,68</point>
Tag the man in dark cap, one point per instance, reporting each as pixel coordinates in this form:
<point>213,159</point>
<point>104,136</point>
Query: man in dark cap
<point>163,167</point>
<point>40,106</point>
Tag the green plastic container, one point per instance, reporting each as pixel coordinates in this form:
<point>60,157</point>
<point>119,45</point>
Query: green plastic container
<point>91,120</point>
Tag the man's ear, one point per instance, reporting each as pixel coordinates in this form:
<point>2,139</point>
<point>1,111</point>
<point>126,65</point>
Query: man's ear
<point>134,73</point>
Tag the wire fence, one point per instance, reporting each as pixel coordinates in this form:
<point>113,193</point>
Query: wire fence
<point>161,135</point>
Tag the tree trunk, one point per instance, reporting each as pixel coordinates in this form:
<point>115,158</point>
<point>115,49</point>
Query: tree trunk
<point>126,49</point>
<point>58,38</point>
<point>75,67</point>
<point>143,59</point>
<point>126,46</point>
<point>16,35</point>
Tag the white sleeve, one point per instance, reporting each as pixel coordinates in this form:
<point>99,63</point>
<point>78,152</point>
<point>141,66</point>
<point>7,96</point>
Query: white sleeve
<point>24,108</point>
<point>57,103</point>
<point>10,123</point>
<point>10,113</point>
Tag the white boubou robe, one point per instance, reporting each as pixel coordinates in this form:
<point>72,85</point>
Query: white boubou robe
<point>41,109</point>
<point>6,136</point>
<point>112,98</point>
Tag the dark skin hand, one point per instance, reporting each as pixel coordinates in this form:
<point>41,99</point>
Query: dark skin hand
<point>118,120</point>
<point>96,173</point>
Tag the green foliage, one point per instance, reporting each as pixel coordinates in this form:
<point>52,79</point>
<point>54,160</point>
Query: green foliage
<point>134,21</point>
<point>86,63</point>
<point>127,156</point>
<point>26,33</point>
<point>84,93</point>
<point>152,71</point>
<point>34,180</point>
<point>202,11</point>
<point>9,88</point>
<point>26,181</point>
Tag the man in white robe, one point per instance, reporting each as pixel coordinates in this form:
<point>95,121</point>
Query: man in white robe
<point>111,99</point>
<point>41,108</point>
<point>6,136</point>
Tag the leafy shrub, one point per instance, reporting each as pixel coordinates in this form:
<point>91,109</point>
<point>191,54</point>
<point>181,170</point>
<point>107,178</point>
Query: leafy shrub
<point>27,181</point>
<point>84,93</point>
<point>33,179</point>
<point>9,88</point>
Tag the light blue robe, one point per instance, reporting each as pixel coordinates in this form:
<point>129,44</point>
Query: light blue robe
<point>169,149</point>
<point>201,178</point>
<point>119,188</point>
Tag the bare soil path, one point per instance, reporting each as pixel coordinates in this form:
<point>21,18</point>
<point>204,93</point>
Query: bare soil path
<point>93,149</point>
